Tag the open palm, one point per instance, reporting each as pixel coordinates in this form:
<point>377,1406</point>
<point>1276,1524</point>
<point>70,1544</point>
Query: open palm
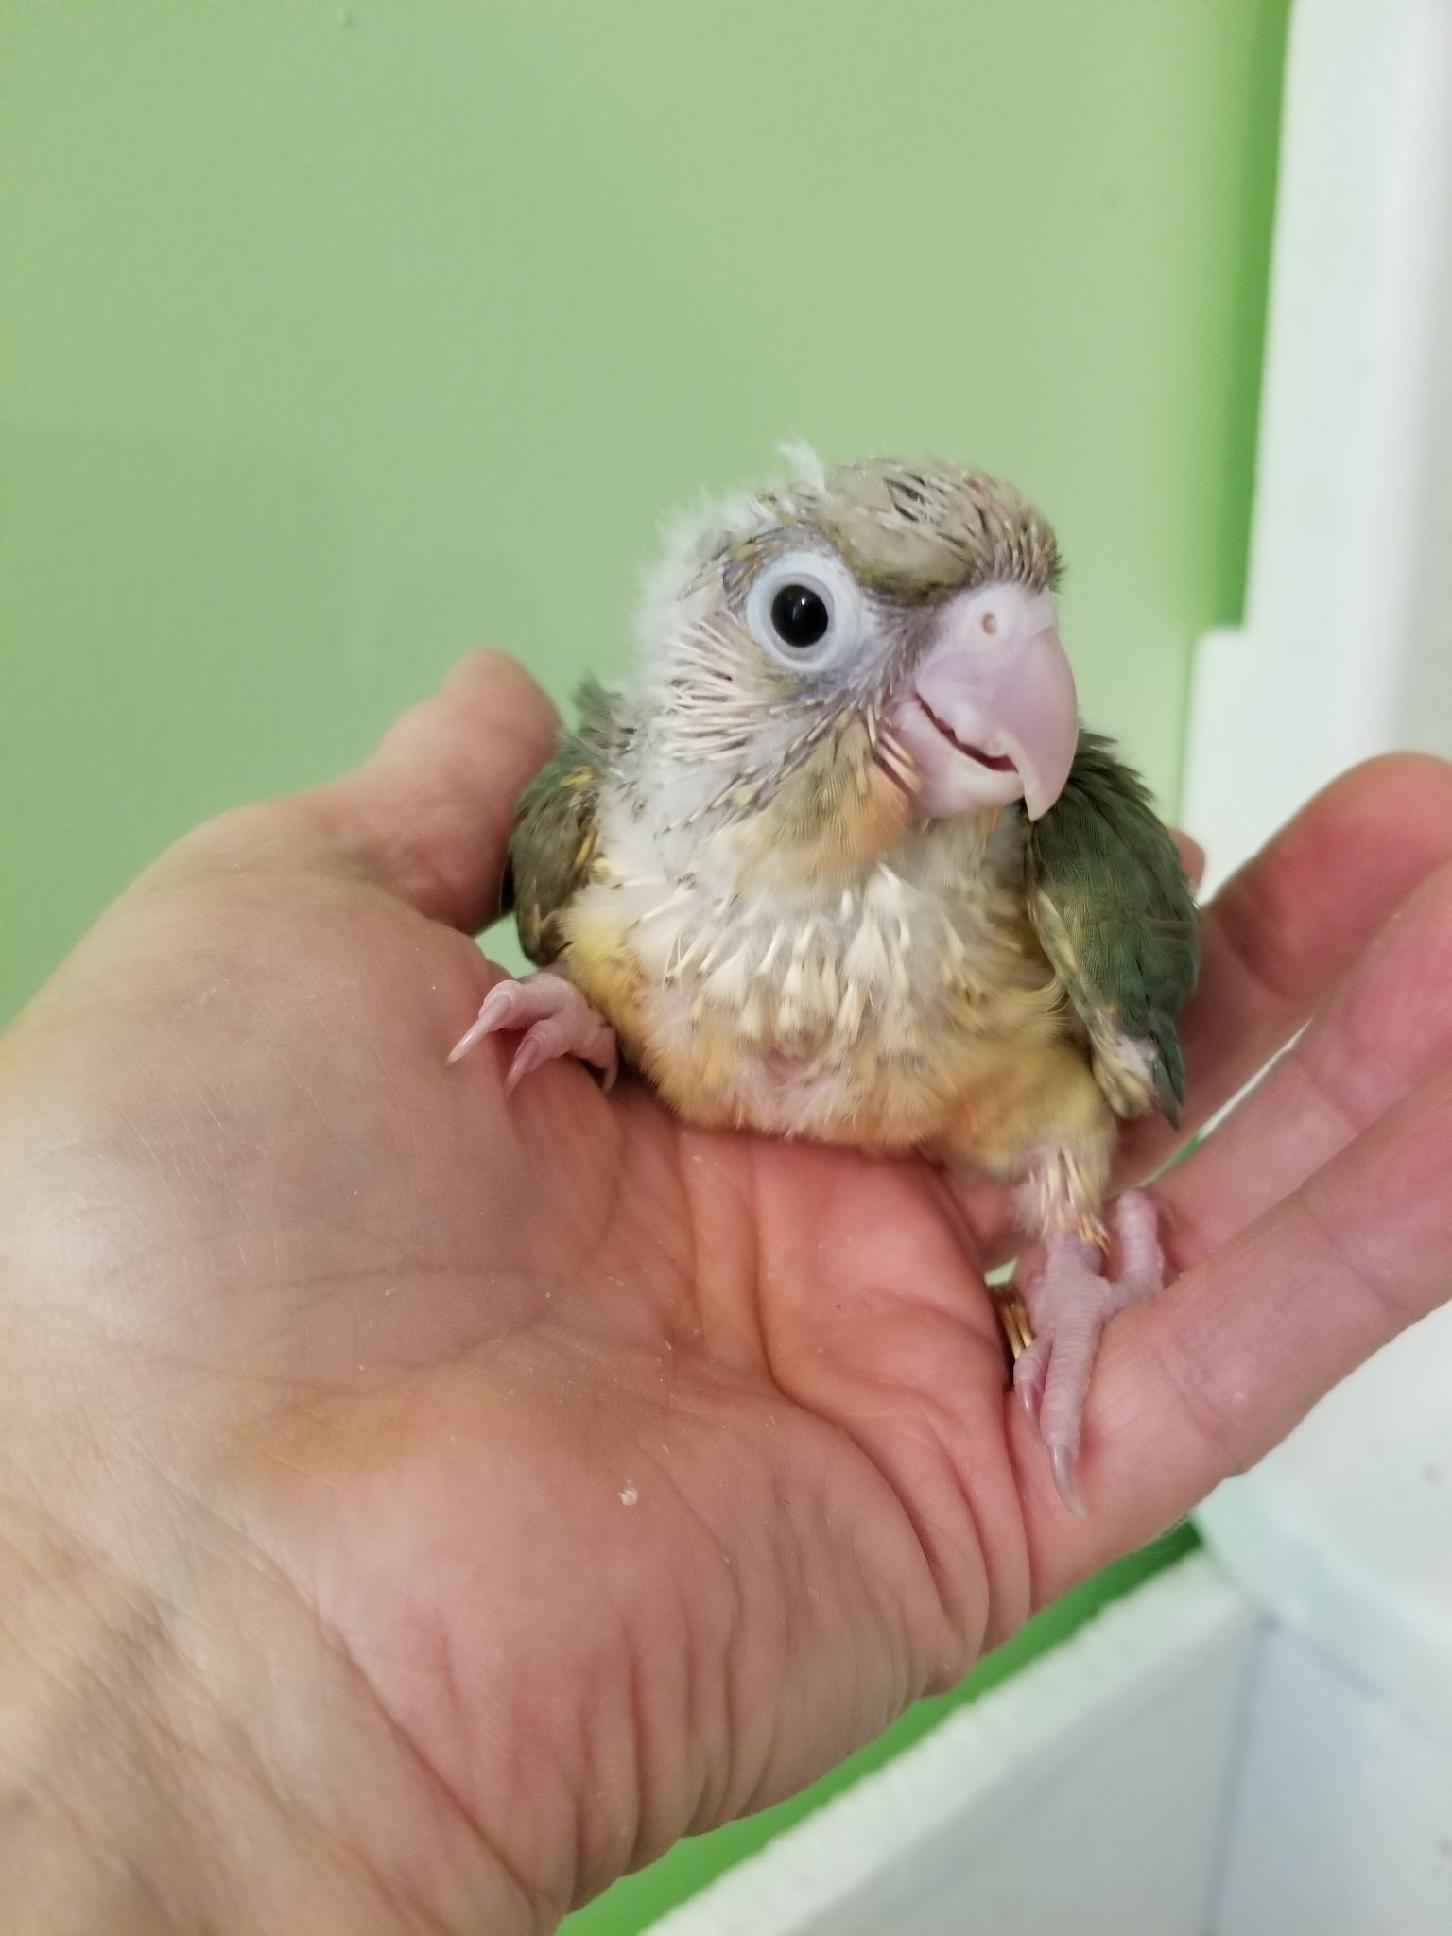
<point>635,1473</point>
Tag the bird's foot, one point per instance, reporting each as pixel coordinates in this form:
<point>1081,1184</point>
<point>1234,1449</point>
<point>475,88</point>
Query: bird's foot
<point>1069,1303</point>
<point>554,1019</point>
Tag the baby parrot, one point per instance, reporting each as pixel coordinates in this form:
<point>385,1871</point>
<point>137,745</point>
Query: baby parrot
<point>844,865</point>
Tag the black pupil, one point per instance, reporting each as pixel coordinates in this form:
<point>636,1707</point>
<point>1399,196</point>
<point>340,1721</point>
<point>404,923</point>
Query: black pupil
<point>799,616</point>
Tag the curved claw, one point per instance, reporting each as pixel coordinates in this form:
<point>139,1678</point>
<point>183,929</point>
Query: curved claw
<point>499,1009</point>
<point>527,1057</point>
<point>475,1033</point>
<point>1063,1463</point>
<point>1030,1374</point>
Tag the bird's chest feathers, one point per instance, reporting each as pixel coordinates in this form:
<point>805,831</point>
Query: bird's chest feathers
<point>862,1012</point>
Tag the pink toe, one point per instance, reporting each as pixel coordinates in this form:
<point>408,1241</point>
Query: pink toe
<point>499,1005</point>
<point>1141,1261</point>
<point>1063,1406</point>
<point>494,1012</point>
<point>555,1020</point>
<point>1028,1377</point>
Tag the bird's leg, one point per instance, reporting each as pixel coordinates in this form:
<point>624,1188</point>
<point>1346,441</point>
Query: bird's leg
<point>553,1017</point>
<point>1069,1303</point>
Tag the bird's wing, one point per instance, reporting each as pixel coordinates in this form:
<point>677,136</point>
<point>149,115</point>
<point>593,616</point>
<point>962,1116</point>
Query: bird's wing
<point>1116,917</point>
<point>555,831</point>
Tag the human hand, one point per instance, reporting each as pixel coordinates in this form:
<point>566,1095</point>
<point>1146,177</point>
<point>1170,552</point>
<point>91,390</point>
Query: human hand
<point>430,1502</point>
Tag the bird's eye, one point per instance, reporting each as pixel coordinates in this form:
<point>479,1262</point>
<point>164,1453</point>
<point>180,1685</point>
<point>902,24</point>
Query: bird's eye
<point>807,610</point>
<point>799,616</point>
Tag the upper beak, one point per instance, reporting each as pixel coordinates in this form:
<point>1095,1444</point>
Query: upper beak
<point>991,711</point>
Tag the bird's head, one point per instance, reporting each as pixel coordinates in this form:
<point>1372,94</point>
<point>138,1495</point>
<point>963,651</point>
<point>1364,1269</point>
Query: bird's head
<point>884,623</point>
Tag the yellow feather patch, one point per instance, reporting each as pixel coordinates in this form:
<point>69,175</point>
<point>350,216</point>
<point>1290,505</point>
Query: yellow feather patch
<point>832,819</point>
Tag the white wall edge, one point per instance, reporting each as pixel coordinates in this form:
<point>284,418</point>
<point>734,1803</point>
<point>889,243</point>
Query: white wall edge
<point>1346,647</point>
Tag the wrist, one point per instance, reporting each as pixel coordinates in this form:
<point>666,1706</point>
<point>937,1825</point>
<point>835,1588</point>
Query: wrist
<point>202,1757</point>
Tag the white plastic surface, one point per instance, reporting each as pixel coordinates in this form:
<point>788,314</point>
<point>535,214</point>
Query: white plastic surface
<point>1086,1795</point>
<point>1345,1532</point>
<point>1346,648</point>
<point>1342,1823</point>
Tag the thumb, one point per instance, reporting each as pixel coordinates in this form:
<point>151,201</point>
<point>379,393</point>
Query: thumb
<point>430,813</point>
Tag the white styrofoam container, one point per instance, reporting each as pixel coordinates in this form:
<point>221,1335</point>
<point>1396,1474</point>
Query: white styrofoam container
<point>1341,1815</point>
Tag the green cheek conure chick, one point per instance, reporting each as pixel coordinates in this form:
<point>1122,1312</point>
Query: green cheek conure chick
<point>843,865</point>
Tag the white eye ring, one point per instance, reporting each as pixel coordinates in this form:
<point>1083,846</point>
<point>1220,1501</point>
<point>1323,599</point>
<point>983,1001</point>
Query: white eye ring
<point>841,613</point>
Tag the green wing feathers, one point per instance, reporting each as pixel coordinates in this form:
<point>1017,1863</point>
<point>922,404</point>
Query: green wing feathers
<point>1116,916</point>
<point>552,847</point>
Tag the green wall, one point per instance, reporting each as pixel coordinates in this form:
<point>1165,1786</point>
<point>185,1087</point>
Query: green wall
<point>334,338</point>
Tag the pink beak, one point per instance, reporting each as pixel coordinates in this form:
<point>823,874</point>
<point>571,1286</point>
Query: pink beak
<point>990,713</point>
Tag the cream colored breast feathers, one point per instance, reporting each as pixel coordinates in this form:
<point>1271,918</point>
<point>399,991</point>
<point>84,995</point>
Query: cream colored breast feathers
<point>863,1013</point>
